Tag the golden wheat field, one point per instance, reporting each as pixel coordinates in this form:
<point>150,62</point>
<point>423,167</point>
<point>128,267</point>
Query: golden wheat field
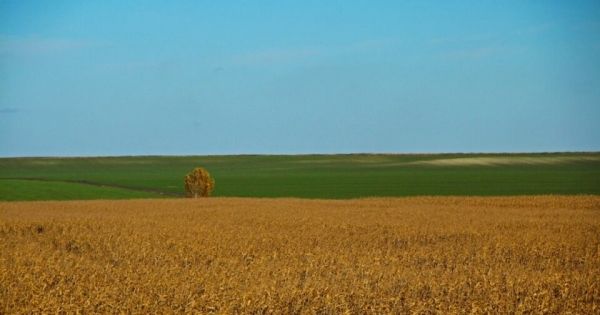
<point>290,256</point>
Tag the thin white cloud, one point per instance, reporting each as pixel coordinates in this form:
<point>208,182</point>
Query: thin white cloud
<point>534,30</point>
<point>479,46</point>
<point>296,54</point>
<point>367,45</point>
<point>33,45</point>
<point>271,56</point>
<point>487,38</point>
<point>471,53</point>
<point>462,40</point>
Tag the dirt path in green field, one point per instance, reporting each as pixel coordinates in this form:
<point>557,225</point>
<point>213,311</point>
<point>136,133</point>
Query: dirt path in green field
<point>97,184</point>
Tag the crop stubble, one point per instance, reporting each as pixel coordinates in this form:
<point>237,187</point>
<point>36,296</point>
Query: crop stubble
<point>236,255</point>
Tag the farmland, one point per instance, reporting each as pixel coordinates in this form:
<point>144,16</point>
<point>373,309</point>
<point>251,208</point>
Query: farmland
<point>497,255</point>
<point>493,240</point>
<point>304,176</point>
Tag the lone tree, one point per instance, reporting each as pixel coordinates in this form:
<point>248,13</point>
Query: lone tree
<point>198,183</point>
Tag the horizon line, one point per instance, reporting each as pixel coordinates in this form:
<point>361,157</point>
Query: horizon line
<point>300,154</point>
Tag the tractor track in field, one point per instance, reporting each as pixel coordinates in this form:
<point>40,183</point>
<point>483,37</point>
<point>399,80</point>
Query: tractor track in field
<point>97,184</point>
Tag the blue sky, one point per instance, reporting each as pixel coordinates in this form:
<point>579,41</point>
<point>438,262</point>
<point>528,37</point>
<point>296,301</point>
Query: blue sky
<point>230,77</point>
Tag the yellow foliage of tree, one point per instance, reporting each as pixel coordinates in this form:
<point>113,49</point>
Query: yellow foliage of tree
<point>199,183</point>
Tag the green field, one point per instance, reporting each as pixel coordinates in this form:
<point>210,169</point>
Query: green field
<point>45,190</point>
<point>307,176</point>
